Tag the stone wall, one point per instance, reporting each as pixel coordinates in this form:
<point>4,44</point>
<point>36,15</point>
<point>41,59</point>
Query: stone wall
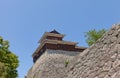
<point>101,60</point>
<point>52,64</point>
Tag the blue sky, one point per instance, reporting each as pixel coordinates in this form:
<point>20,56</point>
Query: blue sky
<point>23,22</point>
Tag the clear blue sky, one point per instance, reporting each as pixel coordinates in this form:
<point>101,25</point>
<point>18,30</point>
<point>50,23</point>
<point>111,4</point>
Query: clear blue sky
<point>23,22</point>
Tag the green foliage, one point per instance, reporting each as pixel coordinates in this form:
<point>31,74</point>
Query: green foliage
<point>93,35</point>
<point>8,61</point>
<point>3,72</point>
<point>66,63</point>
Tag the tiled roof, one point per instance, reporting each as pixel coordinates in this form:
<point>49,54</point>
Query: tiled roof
<point>54,31</point>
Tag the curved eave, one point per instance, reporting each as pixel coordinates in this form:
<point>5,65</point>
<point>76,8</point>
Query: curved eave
<point>53,42</point>
<point>50,34</point>
<point>80,47</point>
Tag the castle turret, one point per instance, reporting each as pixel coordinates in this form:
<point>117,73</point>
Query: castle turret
<point>54,40</point>
<point>53,56</point>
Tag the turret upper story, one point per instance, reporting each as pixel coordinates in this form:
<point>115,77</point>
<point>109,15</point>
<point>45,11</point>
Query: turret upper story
<point>53,35</point>
<point>54,40</point>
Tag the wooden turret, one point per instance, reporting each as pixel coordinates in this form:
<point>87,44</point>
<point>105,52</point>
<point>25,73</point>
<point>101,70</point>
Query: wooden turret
<point>54,40</point>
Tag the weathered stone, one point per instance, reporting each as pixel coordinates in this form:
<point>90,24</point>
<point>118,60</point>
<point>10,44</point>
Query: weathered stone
<point>107,57</point>
<point>107,66</point>
<point>102,75</point>
<point>116,63</point>
<point>101,60</point>
<point>52,64</point>
<point>113,39</point>
<point>113,57</point>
